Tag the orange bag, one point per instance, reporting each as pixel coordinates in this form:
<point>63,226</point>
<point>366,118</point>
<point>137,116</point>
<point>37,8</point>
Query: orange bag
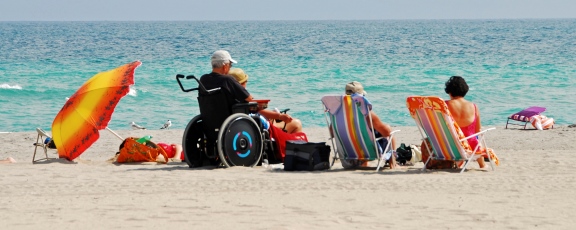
<point>132,151</point>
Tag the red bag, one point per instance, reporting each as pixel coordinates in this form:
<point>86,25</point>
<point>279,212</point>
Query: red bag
<point>132,151</point>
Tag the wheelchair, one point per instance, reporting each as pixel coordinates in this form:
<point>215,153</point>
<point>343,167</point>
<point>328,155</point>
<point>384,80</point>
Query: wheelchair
<point>224,135</point>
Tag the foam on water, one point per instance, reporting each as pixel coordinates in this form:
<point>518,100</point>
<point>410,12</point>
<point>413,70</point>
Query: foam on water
<point>7,86</point>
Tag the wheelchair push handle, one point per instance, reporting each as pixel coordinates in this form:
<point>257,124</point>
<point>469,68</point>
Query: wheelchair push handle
<point>181,76</point>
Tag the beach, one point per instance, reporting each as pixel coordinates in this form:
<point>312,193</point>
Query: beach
<point>531,189</point>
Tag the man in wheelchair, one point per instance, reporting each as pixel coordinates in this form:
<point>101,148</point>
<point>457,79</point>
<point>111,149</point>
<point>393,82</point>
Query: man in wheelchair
<point>227,131</point>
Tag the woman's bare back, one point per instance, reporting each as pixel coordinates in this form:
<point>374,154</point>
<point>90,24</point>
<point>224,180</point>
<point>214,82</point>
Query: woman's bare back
<point>463,111</point>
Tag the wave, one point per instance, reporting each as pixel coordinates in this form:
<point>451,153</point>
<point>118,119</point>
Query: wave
<point>133,92</point>
<point>6,86</point>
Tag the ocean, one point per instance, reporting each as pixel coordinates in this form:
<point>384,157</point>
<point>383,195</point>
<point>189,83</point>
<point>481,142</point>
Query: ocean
<point>508,64</point>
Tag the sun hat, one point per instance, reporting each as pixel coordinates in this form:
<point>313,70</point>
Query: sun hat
<point>355,87</point>
<point>239,75</point>
<point>222,56</point>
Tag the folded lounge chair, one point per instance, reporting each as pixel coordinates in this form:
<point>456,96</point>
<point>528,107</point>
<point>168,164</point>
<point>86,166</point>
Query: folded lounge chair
<point>42,141</point>
<point>524,116</point>
<point>447,142</point>
<point>346,118</point>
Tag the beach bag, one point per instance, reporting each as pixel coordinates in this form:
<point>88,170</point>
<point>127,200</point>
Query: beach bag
<point>404,154</point>
<point>434,164</point>
<point>416,154</point>
<point>132,151</point>
<point>306,156</point>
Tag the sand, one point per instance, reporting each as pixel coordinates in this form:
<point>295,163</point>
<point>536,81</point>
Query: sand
<point>533,188</point>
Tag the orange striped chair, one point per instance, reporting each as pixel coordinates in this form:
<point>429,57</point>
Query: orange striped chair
<point>447,142</point>
<point>352,137</point>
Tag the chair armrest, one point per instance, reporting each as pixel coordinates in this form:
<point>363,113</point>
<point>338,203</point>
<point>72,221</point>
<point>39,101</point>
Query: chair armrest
<point>246,107</point>
<point>391,135</point>
<point>477,134</point>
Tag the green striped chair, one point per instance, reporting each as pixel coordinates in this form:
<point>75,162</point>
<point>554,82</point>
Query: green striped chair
<point>353,140</point>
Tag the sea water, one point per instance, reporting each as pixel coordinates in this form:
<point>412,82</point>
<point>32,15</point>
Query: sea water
<point>508,64</point>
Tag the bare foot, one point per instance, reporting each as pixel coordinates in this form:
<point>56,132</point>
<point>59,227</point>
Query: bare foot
<point>8,160</point>
<point>393,163</point>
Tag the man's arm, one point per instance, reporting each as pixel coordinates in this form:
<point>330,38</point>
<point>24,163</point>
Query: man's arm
<point>380,126</point>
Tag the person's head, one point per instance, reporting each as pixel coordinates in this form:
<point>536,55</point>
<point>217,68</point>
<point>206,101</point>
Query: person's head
<point>239,75</point>
<point>222,61</point>
<point>354,87</point>
<point>456,86</point>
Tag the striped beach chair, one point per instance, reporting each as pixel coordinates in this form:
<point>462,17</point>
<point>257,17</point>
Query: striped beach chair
<point>447,142</point>
<point>351,135</point>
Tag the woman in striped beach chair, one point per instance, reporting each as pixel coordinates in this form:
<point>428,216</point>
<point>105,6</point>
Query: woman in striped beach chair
<point>451,128</point>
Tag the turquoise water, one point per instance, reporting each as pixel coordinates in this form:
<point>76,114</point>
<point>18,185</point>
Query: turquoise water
<point>509,65</point>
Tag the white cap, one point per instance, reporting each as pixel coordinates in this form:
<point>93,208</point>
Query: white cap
<point>222,56</point>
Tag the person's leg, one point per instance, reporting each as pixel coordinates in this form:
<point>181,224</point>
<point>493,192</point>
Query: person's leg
<point>295,126</point>
<point>481,162</point>
<point>8,160</point>
<point>177,151</point>
<point>480,159</point>
<point>383,143</point>
<point>392,162</point>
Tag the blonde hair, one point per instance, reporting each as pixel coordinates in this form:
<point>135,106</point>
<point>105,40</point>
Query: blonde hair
<point>239,75</point>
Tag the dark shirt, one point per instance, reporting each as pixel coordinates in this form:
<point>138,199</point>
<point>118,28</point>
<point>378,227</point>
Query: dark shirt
<point>233,90</point>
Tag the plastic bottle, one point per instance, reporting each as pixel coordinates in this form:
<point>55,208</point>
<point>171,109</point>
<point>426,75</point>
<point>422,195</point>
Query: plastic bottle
<point>265,164</point>
<point>144,139</point>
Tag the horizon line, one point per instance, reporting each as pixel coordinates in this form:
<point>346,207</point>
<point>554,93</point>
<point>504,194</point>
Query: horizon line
<point>263,20</point>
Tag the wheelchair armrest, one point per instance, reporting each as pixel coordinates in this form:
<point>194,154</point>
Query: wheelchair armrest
<point>245,108</point>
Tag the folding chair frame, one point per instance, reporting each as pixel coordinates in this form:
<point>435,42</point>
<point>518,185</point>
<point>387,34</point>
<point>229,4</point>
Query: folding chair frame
<point>42,135</point>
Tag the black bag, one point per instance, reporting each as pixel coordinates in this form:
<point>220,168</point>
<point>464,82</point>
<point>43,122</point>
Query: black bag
<point>301,155</point>
<point>404,154</point>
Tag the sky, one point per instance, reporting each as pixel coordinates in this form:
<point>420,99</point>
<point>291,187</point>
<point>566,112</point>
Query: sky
<point>233,10</point>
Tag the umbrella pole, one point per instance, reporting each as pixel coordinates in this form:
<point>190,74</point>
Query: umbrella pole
<point>115,134</point>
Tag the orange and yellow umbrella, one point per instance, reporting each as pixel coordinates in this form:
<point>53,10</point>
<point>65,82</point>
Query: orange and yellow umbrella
<point>76,126</point>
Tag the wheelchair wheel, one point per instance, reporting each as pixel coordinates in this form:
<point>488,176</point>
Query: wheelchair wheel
<point>240,141</point>
<point>194,143</point>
